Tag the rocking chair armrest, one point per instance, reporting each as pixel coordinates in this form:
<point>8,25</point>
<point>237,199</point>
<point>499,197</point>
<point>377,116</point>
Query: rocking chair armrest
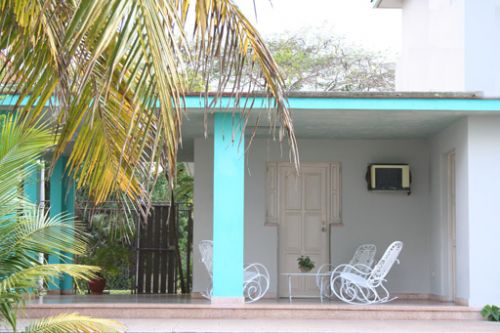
<point>363,268</point>
<point>356,269</point>
<point>259,270</point>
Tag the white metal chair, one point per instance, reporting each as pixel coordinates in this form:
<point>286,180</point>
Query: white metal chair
<point>361,284</point>
<point>256,276</point>
<point>363,257</point>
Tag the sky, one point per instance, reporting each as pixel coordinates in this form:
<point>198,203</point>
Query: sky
<point>355,20</point>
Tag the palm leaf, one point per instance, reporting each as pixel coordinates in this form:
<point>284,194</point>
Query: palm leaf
<point>28,277</point>
<point>25,230</point>
<point>113,75</point>
<point>20,147</point>
<point>64,323</point>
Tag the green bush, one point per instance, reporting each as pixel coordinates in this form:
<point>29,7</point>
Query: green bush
<point>491,312</point>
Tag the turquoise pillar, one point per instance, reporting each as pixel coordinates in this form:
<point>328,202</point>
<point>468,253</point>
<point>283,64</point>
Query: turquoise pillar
<point>32,186</point>
<point>228,215</point>
<point>62,200</point>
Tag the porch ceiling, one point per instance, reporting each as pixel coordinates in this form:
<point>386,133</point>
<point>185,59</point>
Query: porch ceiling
<point>345,124</point>
<point>396,115</point>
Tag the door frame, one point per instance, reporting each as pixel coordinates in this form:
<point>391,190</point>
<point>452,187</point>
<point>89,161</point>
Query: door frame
<point>326,165</point>
<point>451,223</point>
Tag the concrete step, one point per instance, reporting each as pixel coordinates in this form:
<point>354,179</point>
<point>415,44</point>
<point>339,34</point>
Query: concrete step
<point>326,311</point>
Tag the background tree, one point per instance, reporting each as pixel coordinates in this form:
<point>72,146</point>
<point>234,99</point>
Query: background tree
<point>329,63</point>
<point>315,61</point>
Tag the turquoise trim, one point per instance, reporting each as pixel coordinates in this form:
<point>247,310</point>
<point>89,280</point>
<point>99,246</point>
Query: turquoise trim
<point>228,218</point>
<point>331,103</point>
<point>388,104</point>
<point>11,100</point>
<point>62,201</point>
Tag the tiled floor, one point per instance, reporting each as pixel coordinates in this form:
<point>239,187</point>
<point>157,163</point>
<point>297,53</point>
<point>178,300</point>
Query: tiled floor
<point>178,299</point>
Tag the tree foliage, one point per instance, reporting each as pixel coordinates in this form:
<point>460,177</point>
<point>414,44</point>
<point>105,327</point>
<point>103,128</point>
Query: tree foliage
<point>318,62</point>
<point>329,63</point>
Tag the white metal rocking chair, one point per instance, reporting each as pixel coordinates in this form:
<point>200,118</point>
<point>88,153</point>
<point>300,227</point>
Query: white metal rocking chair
<point>256,277</point>
<point>363,257</point>
<point>361,284</point>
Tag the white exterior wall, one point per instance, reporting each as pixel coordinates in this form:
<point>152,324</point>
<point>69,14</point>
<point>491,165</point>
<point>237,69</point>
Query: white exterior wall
<point>476,141</point>
<point>432,55</point>
<point>368,217</point>
<point>484,217</point>
<point>450,45</point>
<point>454,139</point>
<point>482,46</point>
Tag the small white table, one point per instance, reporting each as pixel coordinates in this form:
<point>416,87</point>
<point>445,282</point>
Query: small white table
<point>309,274</point>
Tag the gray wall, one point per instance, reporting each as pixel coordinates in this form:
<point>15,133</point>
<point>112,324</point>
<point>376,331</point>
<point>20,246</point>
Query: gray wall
<point>368,217</point>
<point>484,217</point>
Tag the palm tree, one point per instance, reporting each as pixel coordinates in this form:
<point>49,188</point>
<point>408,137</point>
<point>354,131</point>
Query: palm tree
<point>114,73</point>
<point>25,231</point>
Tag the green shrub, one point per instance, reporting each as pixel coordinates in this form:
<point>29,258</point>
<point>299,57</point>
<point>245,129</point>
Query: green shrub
<point>491,312</point>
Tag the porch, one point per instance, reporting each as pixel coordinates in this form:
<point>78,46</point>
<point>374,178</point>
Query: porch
<point>186,307</point>
<point>447,224</point>
<point>442,223</point>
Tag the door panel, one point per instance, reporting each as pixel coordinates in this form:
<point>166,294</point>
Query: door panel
<point>302,219</point>
<point>311,231</point>
<point>293,243</point>
<point>313,191</point>
<point>293,193</point>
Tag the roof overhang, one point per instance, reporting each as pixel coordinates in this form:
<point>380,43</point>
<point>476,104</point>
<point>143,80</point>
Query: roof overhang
<point>387,3</point>
<point>349,115</point>
<point>333,116</point>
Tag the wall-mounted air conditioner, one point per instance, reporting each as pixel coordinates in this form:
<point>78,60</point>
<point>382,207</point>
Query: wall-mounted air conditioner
<point>388,177</point>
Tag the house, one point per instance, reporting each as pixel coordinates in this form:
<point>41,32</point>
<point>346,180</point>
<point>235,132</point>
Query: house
<point>449,222</point>
<point>257,207</point>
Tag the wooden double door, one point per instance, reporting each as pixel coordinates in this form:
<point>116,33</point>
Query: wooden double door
<point>303,225</point>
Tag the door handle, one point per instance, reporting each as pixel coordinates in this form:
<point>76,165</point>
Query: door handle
<point>323,226</point>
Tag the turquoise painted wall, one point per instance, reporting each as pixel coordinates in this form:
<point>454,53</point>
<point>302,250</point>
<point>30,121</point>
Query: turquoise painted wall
<point>228,216</point>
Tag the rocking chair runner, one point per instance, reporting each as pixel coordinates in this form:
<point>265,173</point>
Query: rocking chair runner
<point>256,277</point>
<point>363,257</point>
<point>361,284</point>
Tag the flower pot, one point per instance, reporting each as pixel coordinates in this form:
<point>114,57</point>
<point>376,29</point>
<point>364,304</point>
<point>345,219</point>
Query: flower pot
<point>305,269</point>
<point>97,285</point>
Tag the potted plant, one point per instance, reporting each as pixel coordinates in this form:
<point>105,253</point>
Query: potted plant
<point>97,284</point>
<point>305,263</point>
<point>111,257</point>
<point>109,251</point>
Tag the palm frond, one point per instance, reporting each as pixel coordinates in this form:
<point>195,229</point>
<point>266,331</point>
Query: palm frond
<point>20,147</point>
<point>25,230</point>
<point>36,231</point>
<point>28,277</point>
<point>74,323</point>
<point>113,73</point>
